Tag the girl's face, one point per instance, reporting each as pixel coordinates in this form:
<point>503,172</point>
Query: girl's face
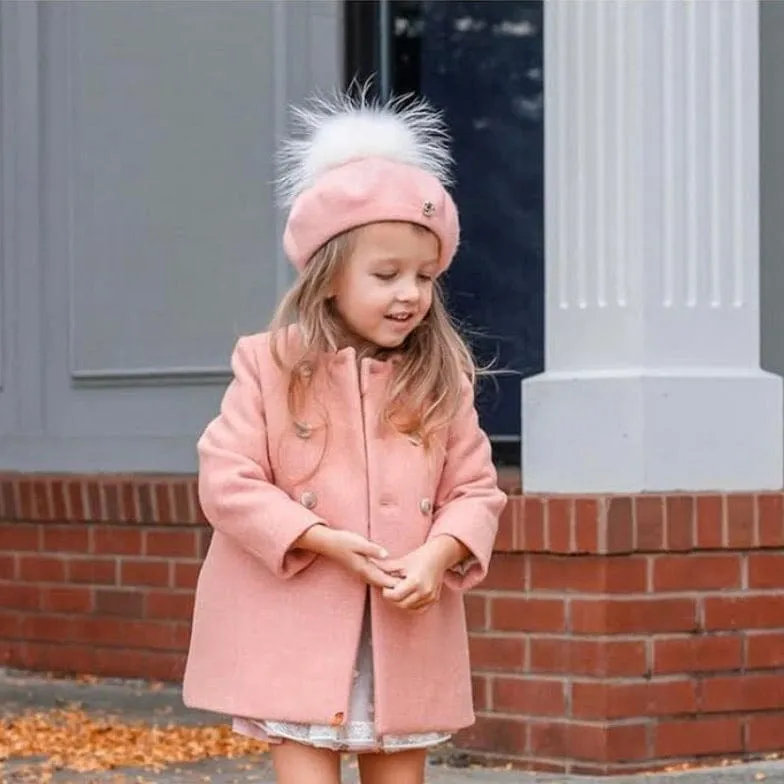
<point>385,286</point>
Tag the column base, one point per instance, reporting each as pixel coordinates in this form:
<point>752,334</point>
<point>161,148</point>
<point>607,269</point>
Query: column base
<point>630,433</point>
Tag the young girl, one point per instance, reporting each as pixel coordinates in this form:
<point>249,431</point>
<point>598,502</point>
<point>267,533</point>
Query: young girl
<point>350,487</point>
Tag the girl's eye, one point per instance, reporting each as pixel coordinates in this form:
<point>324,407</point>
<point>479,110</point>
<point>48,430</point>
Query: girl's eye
<point>385,275</point>
<point>427,278</point>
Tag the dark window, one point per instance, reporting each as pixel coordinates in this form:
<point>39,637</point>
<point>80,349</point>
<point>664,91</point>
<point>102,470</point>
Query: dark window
<point>481,63</point>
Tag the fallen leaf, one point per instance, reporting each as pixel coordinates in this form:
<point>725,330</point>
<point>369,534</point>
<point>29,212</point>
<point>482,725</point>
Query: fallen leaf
<point>75,740</point>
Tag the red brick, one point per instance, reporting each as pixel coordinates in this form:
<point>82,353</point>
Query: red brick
<point>744,612</point>
<point>506,573</point>
<point>530,696</point>
<point>163,502</point>
<point>10,623</point>
<point>629,616</point>
<point>680,522</point>
<point>103,630</point>
<point>57,658</point>
<point>98,571</point>
<point>111,500</point>
<point>66,599</point>
<point>7,567</point>
<point>620,525</point>
<point>710,522</point>
<point>588,574</point>
<point>599,658</point>
<point>480,690</point>
<point>76,500</point>
<point>26,500</point>
<point>530,522</point>
<point>766,570</point>
<point>128,509</point>
<point>19,596</point>
<point>765,651</point>
<point>734,693</point>
<point>183,543</point>
<point>504,541</point>
<point>41,506</point>
<point>145,503</point>
<point>697,654</point>
<point>121,663</point>
<point>65,538</point>
<point>51,628</point>
<point>696,572</point>
<point>589,742</point>
<point>770,519</point>
<point>181,491</point>
<point>186,575</point>
<point>94,501</point>
<point>59,501</point>
<point>476,611</point>
<point>19,536</point>
<point>559,524</point>
<point>164,666</point>
<point>204,537</point>
<point>740,521</point>
<point>495,734</point>
<point>139,572</point>
<point>586,525</point>
<point>527,615</point>
<point>592,700</point>
<point>167,604</point>
<point>497,653</point>
<point>8,510</point>
<point>764,733</point>
<point>697,737</point>
<point>128,604</point>
<point>41,568</point>
<point>155,634</point>
<point>117,540</point>
<point>649,512</point>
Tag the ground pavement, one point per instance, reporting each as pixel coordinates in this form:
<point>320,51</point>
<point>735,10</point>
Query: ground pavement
<point>135,701</point>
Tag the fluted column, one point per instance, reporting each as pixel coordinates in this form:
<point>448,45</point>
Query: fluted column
<point>652,378</point>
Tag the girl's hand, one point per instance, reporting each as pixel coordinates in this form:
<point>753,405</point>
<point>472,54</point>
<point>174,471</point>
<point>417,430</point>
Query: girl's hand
<point>351,551</point>
<point>422,572</point>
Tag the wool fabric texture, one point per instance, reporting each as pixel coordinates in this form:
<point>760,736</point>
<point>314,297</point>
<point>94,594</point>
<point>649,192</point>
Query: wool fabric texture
<point>275,629</point>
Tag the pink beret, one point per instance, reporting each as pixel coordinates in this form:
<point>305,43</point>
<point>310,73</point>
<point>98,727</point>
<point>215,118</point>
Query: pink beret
<point>366,191</point>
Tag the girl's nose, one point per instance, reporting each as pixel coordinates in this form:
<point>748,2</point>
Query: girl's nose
<point>408,291</point>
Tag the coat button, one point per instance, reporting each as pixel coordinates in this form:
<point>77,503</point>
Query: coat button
<point>303,430</point>
<point>308,499</point>
<point>426,506</point>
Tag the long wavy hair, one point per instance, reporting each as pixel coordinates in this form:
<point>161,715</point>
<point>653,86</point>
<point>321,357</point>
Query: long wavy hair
<point>425,386</point>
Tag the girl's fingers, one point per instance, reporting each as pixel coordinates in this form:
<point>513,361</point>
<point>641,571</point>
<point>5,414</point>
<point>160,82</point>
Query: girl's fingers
<point>390,567</point>
<point>370,550</point>
<point>375,576</point>
<point>404,588</point>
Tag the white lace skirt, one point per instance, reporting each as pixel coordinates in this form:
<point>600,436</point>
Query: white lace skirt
<point>358,734</point>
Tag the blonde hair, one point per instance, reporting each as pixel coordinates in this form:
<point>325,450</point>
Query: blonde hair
<point>425,387</point>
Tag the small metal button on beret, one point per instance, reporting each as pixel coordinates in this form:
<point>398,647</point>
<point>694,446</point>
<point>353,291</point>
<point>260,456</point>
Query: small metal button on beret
<point>426,506</point>
<point>428,209</point>
<point>308,499</point>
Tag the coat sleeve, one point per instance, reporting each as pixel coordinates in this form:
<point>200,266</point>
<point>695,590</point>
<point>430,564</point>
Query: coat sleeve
<point>235,480</point>
<point>468,500</point>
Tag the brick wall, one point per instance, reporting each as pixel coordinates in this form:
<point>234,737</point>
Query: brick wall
<point>613,633</point>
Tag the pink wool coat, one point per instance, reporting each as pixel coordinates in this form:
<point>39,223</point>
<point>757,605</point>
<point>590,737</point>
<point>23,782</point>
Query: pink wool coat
<point>276,630</point>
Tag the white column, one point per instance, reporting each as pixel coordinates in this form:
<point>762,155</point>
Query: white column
<point>652,378</point>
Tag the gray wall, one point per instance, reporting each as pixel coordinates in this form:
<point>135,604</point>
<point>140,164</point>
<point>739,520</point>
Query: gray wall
<point>139,234</point>
<point>772,183</point>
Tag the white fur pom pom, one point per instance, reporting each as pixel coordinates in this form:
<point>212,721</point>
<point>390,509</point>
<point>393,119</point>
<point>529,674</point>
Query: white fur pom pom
<point>337,131</point>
